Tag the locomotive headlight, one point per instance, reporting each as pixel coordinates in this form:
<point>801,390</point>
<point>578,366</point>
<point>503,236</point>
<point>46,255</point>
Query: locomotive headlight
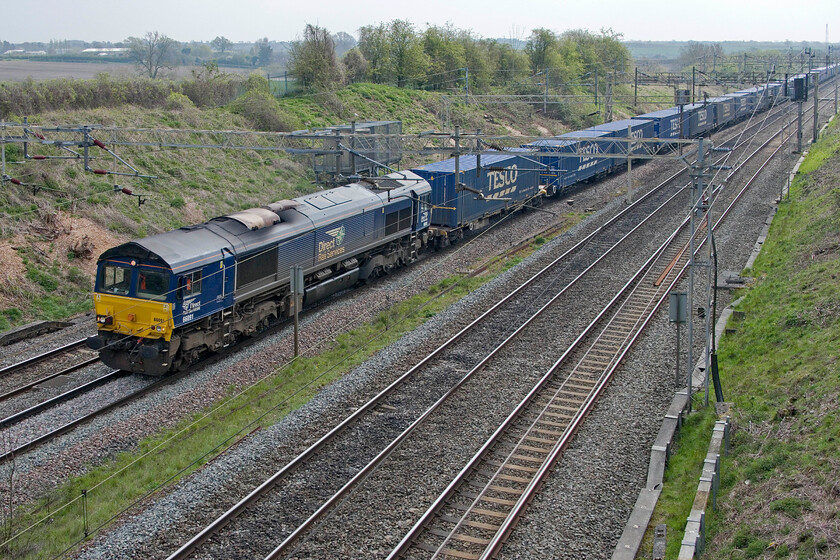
<point>104,319</point>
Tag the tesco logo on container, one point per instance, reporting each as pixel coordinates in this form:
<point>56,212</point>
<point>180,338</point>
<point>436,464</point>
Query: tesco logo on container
<point>501,178</point>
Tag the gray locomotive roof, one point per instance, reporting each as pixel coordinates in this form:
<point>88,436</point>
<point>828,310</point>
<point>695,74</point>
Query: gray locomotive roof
<point>194,246</point>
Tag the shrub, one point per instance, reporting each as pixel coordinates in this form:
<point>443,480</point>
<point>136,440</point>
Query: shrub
<point>263,112</point>
<point>178,102</point>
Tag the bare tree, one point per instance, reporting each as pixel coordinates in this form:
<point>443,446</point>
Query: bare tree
<point>151,52</point>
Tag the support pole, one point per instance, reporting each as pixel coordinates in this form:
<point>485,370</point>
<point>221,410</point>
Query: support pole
<point>816,107</point>
<point>696,198</point>
<point>799,127</point>
<point>85,513</point>
<point>337,155</point>
<point>467,85</point>
<point>693,81</point>
<point>677,384</point>
<point>3,151</point>
<point>458,167</point>
<point>629,165</point>
<point>296,288</point>
<point>353,147</point>
<point>297,325</point>
<point>636,90</point>
<point>545,92</point>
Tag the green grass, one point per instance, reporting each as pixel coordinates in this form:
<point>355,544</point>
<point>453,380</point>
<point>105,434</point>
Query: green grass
<point>778,487</point>
<point>682,475</point>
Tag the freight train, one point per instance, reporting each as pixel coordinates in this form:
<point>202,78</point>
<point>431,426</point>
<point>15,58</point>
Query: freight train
<point>164,301</point>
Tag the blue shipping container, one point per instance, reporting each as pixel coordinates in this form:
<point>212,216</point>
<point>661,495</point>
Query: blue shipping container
<point>724,109</point>
<point>666,123</point>
<point>500,181</point>
<point>638,127</point>
<point>567,171</point>
<point>699,117</point>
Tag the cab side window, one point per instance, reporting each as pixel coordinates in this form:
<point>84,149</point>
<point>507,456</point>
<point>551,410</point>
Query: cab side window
<point>151,284</point>
<point>190,284</point>
<point>115,279</point>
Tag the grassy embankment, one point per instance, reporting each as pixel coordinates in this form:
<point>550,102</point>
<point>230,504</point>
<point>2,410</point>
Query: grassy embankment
<point>780,485</point>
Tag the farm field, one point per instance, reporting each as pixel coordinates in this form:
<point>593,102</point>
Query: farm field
<point>20,70</point>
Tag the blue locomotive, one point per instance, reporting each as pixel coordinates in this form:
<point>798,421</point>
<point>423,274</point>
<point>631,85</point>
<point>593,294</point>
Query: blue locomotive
<point>163,301</point>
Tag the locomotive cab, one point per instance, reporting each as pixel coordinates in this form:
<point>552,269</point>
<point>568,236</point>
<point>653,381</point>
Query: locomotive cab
<point>134,299</point>
<point>133,302</point>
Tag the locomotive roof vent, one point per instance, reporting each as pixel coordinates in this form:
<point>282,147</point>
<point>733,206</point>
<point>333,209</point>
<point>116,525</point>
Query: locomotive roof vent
<point>255,218</point>
<point>281,205</point>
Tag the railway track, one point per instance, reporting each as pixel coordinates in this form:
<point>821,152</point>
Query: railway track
<point>479,508</point>
<point>475,514</point>
<point>483,336</point>
<point>594,248</point>
<point>379,404</point>
<point>473,517</point>
<point>27,374</point>
<point>89,412</point>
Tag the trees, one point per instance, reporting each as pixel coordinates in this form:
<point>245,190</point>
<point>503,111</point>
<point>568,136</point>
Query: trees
<point>394,52</point>
<point>355,66</point>
<point>262,52</point>
<point>375,46</point>
<point>408,59</point>
<point>151,52</point>
<point>221,44</point>
<point>312,60</point>
<point>695,54</point>
<point>343,42</point>
<point>539,48</point>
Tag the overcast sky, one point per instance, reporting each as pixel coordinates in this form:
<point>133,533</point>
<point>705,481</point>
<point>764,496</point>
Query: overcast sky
<point>283,20</point>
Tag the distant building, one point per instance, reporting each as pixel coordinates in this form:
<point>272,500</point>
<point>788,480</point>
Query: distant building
<point>106,51</point>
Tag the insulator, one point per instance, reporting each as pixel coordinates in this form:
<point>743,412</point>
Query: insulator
<point>39,157</point>
<point>126,190</point>
<point>15,181</point>
<point>40,136</point>
<point>98,143</point>
<point>100,171</point>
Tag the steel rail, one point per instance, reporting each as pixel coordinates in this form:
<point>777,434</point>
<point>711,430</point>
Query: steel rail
<point>388,450</point>
<point>90,416</point>
<point>54,401</point>
<point>40,357</point>
<point>65,371</point>
<point>498,540</point>
<point>438,504</point>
